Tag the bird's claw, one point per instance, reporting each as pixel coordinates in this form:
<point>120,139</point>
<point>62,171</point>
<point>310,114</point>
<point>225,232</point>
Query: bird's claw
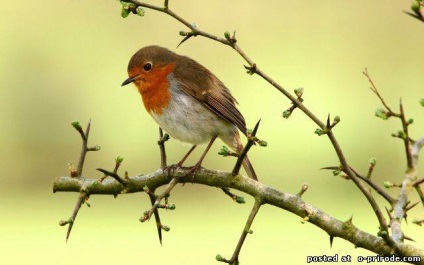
<point>193,170</point>
<point>167,170</point>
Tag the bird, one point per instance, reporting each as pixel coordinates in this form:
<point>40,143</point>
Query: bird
<point>187,101</point>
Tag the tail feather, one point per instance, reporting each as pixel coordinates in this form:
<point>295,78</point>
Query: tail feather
<point>234,142</point>
<point>249,168</point>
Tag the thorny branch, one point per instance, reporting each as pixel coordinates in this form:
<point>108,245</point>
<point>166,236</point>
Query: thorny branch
<point>412,149</point>
<point>254,69</point>
<point>268,195</point>
<point>235,257</point>
<point>263,194</point>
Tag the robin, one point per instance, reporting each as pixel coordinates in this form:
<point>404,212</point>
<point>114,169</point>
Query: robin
<point>189,102</point>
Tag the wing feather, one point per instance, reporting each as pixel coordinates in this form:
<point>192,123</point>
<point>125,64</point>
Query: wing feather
<point>202,85</point>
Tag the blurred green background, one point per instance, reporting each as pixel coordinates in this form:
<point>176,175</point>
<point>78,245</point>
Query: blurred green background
<point>65,61</point>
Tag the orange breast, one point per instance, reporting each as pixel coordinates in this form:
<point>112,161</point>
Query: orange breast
<point>154,88</point>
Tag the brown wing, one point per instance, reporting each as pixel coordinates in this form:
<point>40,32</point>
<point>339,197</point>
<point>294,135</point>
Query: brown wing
<point>201,84</point>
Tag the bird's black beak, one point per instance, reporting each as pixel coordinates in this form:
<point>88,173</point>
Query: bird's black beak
<point>129,80</point>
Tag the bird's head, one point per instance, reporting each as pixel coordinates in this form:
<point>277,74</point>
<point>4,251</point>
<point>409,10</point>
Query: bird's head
<point>149,68</point>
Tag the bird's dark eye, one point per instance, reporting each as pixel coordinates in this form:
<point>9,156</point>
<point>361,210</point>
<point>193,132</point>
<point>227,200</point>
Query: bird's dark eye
<point>147,67</point>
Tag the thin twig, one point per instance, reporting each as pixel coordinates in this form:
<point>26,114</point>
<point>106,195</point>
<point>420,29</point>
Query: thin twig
<point>375,90</point>
<point>418,182</point>
<point>384,231</point>
<point>250,143</point>
<point>236,198</point>
<point>235,257</point>
<point>406,140</point>
<point>161,143</point>
<point>152,198</point>
<point>379,190</point>
<point>84,147</point>
<point>420,192</point>
<point>416,147</point>
<point>70,222</point>
<point>156,204</point>
<point>114,175</point>
<point>399,209</point>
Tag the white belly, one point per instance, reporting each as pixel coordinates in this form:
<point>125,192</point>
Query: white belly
<point>187,120</point>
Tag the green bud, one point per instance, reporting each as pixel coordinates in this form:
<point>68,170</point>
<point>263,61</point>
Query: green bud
<point>263,143</point>
<point>239,199</point>
<point>381,114</point>
<point>319,132</point>
<point>249,131</point>
<point>140,11</point>
<point>171,206</point>
<point>373,161</point>
<point>250,231</point>
<point>95,148</point>
<point>76,125</point>
<point>123,3</point>
<point>224,151</point>
<point>343,175</point>
<point>422,102</point>
<point>382,233</point>
<point>166,137</point>
<point>286,114</point>
<point>119,159</point>
<point>387,184</point>
<point>227,35</point>
<point>416,8</point>
<point>183,33</point>
<point>219,258</point>
<point>336,172</point>
<point>410,121</point>
<point>145,188</point>
<point>63,222</point>
<point>299,92</point>
<point>165,228</point>
<point>125,12</point>
<point>336,119</point>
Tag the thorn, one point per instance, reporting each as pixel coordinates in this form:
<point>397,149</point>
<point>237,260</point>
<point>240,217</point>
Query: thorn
<point>328,121</point>
<point>189,35</point>
<point>331,168</point>
<point>408,238</point>
<point>349,221</point>
<point>411,206</point>
<point>256,128</point>
<point>388,213</point>
<point>331,241</point>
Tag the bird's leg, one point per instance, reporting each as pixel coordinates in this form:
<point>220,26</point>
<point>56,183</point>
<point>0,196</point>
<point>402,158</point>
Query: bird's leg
<point>197,166</point>
<point>185,157</point>
<point>179,164</point>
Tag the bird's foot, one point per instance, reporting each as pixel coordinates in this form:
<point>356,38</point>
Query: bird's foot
<point>167,170</point>
<point>193,170</point>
